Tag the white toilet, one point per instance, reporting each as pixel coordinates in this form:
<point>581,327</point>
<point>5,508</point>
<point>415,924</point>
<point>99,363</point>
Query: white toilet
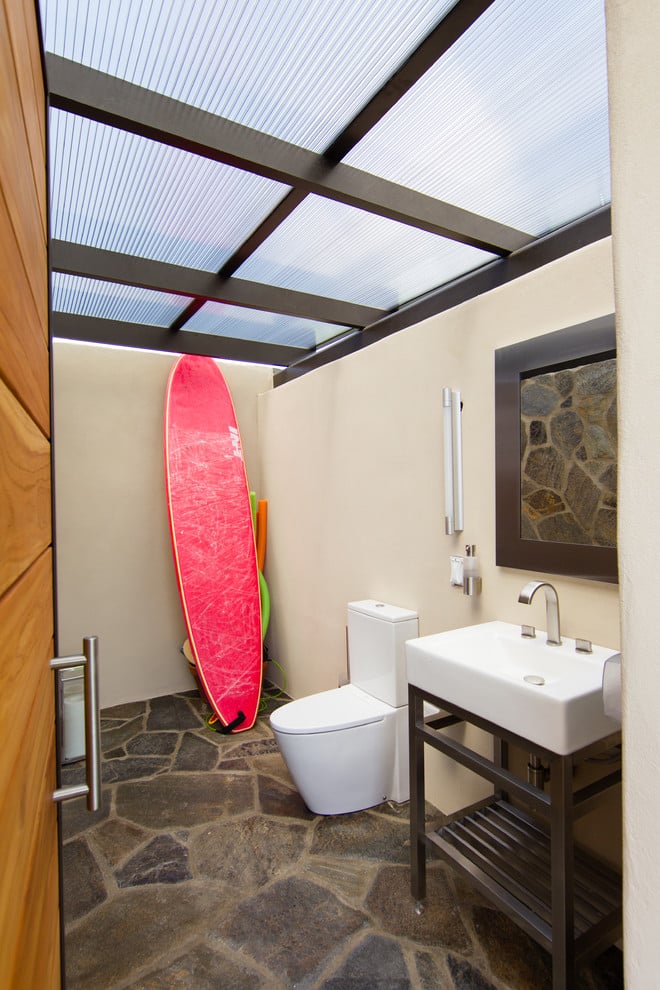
<point>347,749</point>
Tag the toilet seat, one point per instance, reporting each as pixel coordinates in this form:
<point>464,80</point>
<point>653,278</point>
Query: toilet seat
<point>329,711</point>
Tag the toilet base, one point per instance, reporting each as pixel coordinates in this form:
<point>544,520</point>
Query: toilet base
<point>352,768</point>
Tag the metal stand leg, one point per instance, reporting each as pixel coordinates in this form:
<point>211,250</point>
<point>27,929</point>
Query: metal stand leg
<point>561,852</point>
<point>501,759</point>
<point>417,800</point>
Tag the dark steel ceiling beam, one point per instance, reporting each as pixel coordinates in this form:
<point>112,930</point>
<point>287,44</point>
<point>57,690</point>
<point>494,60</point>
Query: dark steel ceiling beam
<point>109,266</point>
<point>545,250</point>
<point>94,330</point>
<point>98,96</point>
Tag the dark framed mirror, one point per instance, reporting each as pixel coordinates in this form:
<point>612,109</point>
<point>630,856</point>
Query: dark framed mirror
<point>556,452</point>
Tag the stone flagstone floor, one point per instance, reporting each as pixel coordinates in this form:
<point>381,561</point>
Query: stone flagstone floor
<point>204,870</point>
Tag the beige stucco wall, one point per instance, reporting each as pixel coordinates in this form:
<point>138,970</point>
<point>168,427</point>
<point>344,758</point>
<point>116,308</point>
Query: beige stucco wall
<point>115,576</point>
<point>634,74</point>
<point>352,467</point>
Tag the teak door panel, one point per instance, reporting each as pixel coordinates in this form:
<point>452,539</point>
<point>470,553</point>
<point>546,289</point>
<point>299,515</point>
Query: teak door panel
<point>25,504</point>
<point>28,817</point>
<point>29,892</point>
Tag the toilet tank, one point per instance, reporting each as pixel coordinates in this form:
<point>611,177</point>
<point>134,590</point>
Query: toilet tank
<point>376,655</point>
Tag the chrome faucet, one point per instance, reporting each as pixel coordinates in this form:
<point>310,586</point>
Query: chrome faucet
<point>551,607</point>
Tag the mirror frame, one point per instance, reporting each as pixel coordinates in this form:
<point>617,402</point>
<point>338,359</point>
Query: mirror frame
<point>573,346</point>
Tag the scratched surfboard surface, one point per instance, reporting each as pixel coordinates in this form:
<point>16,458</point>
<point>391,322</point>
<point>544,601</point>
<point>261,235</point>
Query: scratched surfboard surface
<point>213,538</point>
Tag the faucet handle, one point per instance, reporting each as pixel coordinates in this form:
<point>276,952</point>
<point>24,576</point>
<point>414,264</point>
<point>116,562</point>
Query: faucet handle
<point>529,632</point>
<point>583,646</point>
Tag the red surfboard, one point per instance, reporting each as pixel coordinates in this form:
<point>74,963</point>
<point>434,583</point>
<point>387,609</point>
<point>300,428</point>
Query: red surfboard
<point>213,539</point>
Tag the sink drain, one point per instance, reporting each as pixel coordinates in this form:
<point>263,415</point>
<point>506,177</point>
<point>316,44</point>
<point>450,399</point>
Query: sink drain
<point>534,679</point>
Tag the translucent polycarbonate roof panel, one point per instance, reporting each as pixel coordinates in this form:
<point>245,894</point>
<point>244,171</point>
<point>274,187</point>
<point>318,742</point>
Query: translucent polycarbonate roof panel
<point>297,69</point>
<point>222,320</point>
<point>110,301</point>
<point>512,123</point>
<point>115,190</point>
<point>334,250</point>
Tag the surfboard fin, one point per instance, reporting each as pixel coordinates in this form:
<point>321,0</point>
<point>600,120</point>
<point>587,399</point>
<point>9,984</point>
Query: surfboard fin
<point>226,729</point>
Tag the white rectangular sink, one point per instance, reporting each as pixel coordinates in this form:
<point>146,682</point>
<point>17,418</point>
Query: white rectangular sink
<point>482,669</point>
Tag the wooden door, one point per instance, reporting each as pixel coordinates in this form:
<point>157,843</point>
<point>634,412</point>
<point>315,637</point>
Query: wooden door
<point>29,898</point>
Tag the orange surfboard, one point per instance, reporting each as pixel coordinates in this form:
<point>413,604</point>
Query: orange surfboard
<point>213,539</point>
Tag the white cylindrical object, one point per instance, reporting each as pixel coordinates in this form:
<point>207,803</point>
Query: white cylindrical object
<point>73,721</point>
<point>448,461</point>
<point>457,460</point>
<point>471,571</point>
<point>612,687</point>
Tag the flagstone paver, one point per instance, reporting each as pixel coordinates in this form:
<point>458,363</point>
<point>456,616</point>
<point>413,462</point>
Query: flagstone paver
<point>85,888</point>
<point>292,927</point>
<point>163,860</point>
<point>195,753</point>
<point>363,835</point>
<point>247,852</point>
<point>202,969</point>
<point>116,839</point>
<point>181,800</point>
<point>441,924</point>
<point>376,962</point>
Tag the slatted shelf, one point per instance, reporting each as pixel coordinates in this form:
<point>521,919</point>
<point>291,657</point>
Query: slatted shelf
<point>509,848</point>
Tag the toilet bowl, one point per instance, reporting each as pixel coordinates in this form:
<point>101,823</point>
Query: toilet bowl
<point>347,749</point>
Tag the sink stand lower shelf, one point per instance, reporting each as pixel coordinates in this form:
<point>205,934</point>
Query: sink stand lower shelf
<point>520,855</point>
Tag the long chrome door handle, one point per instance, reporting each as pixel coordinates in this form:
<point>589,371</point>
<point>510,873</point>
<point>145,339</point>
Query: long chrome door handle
<point>88,660</point>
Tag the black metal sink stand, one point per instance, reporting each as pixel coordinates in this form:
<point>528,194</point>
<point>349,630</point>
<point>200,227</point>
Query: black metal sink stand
<point>518,848</point>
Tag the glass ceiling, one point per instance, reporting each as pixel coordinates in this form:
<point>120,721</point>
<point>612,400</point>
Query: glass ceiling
<point>106,301</point>
<point>121,192</point>
<point>236,141</point>
<point>512,123</point>
<point>250,324</point>
<point>360,257</point>
<point>296,69</point>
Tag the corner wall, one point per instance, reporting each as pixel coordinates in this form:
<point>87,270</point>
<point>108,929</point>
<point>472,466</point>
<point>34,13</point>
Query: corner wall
<point>115,574</point>
<point>634,74</point>
<point>352,469</point>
